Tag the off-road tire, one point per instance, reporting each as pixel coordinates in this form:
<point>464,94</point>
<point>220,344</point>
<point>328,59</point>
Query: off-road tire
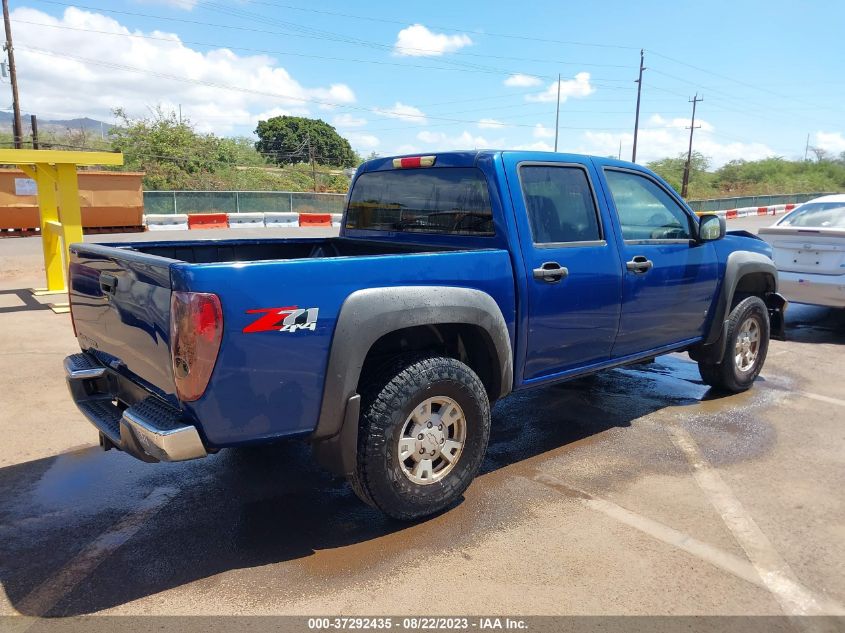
<point>726,375</point>
<point>387,401</point>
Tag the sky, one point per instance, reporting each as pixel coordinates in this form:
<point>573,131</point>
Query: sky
<point>407,77</point>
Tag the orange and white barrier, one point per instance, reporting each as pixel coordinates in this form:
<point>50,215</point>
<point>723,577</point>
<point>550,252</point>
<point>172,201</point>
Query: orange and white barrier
<point>744,212</point>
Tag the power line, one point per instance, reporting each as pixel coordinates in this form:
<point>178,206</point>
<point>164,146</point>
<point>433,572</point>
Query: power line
<point>380,111</point>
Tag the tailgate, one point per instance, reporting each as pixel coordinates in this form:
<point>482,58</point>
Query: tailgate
<point>120,301</point>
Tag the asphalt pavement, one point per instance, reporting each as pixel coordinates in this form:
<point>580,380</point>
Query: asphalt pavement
<point>638,492</point>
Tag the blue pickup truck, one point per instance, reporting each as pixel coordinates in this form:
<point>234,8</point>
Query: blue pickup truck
<point>456,279</point>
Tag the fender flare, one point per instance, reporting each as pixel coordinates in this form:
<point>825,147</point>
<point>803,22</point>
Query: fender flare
<point>739,264</point>
<point>367,315</point>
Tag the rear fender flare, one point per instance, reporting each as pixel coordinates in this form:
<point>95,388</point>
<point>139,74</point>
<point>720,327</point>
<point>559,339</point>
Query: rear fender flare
<point>369,314</point>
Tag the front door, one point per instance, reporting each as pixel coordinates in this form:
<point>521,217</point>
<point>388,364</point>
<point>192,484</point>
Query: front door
<point>670,279</point>
<point>574,280</point>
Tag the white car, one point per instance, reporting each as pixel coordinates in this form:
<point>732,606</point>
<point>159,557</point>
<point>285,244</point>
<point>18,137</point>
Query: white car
<point>809,252</point>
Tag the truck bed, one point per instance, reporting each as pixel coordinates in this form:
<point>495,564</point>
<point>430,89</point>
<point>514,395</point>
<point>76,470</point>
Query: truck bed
<point>217,251</point>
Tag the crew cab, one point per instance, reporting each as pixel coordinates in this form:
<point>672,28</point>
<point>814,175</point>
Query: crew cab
<point>456,279</point>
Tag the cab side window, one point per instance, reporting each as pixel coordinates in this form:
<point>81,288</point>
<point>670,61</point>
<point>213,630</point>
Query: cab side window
<point>560,204</point>
<point>645,210</point>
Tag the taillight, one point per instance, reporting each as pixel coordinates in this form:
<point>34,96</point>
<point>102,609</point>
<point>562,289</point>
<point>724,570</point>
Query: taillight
<point>196,329</point>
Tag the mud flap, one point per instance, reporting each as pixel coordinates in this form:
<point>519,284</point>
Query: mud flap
<point>339,453</point>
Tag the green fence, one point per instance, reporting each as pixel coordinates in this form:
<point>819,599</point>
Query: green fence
<point>720,204</point>
<point>168,202</point>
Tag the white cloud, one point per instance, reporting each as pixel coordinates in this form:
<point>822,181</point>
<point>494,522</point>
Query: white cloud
<point>668,137</point>
<point>417,41</point>
<point>403,112</point>
<point>442,142</point>
<point>577,87</point>
<point>348,120</point>
<point>360,140</point>
<point>89,89</point>
<point>537,146</point>
<point>522,81</point>
<point>541,131</point>
<point>490,124</point>
<point>833,142</point>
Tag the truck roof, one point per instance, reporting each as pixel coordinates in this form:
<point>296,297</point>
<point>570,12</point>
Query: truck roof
<point>469,158</point>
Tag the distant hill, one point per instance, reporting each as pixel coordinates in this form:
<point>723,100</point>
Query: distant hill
<point>55,125</point>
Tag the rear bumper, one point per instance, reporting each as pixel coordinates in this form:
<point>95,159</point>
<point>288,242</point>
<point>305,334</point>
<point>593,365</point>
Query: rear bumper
<point>820,290</point>
<point>127,416</point>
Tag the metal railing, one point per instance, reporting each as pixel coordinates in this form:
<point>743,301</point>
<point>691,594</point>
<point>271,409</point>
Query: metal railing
<point>172,202</point>
<point>720,204</point>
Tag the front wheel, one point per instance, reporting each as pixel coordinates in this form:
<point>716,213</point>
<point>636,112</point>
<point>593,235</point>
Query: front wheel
<point>745,349</point>
<point>423,433</point>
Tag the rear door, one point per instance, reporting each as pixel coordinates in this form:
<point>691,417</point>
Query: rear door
<point>120,300</point>
<point>574,283</point>
<point>670,279</point>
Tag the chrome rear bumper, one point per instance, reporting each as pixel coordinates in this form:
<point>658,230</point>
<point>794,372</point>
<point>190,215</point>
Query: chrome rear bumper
<point>128,416</point>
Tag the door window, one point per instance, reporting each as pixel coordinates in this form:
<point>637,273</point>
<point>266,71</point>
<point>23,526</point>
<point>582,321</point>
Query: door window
<point>646,211</point>
<point>560,204</point>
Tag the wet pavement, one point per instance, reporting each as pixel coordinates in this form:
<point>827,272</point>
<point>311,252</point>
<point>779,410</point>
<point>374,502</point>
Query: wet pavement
<point>637,491</point>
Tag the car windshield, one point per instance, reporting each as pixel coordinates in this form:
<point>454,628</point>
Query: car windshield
<point>432,200</point>
<point>817,215</point>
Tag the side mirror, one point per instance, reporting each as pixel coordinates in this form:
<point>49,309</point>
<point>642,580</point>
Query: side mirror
<point>711,227</point>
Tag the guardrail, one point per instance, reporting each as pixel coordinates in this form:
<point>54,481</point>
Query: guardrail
<point>744,212</point>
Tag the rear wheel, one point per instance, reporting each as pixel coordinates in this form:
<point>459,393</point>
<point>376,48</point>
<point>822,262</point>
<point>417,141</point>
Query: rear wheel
<point>745,350</point>
<point>424,428</point>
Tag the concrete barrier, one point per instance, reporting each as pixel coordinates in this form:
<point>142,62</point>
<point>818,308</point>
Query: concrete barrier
<point>336,219</point>
<point>311,220</point>
<point>246,220</point>
<point>166,222</point>
<point>281,219</point>
<point>208,221</point>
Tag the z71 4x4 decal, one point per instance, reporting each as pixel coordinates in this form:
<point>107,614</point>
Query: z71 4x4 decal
<point>289,319</point>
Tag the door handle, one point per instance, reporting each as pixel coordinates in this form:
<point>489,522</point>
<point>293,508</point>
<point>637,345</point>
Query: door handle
<point>639,265</point>
<point>108,283</point>
<point>551,272</point>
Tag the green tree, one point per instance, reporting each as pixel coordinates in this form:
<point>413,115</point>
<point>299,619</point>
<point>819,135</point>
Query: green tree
<point>287,140</point>
<point>170,151</point>
<point>672,170</point>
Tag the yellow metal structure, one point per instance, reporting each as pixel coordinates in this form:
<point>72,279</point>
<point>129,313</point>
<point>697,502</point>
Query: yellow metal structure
<point>54,173</point>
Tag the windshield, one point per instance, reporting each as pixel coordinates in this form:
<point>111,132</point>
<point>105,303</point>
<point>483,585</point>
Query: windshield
<point>431,200</point>
<point>818,215</point>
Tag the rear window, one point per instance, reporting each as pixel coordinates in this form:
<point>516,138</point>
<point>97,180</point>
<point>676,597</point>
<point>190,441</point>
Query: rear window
<point>451,200</point>
<point>817,215</point>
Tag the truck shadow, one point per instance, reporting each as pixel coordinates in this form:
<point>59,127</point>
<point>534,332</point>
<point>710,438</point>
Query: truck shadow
<point>249,508</point>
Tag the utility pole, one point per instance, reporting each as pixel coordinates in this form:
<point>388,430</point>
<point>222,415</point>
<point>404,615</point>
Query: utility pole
<point>619,155</point>
<point>313,163</point>
<point>557,112</point>
<point>180,114</point>
<point>639,83</point>
<point>13,75</point>
<point>807,147</point>
<point>692,127</point>
<point>34,124</point>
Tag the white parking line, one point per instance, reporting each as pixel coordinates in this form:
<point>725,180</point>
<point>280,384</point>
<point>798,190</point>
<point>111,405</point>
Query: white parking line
<point>819,397</point>
<point>48,594</point>
<point>774,572</point>
<point>718,558</point>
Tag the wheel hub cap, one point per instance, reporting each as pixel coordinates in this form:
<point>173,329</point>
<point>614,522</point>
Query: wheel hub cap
<point>747,344</point>
<point>432,440</point>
